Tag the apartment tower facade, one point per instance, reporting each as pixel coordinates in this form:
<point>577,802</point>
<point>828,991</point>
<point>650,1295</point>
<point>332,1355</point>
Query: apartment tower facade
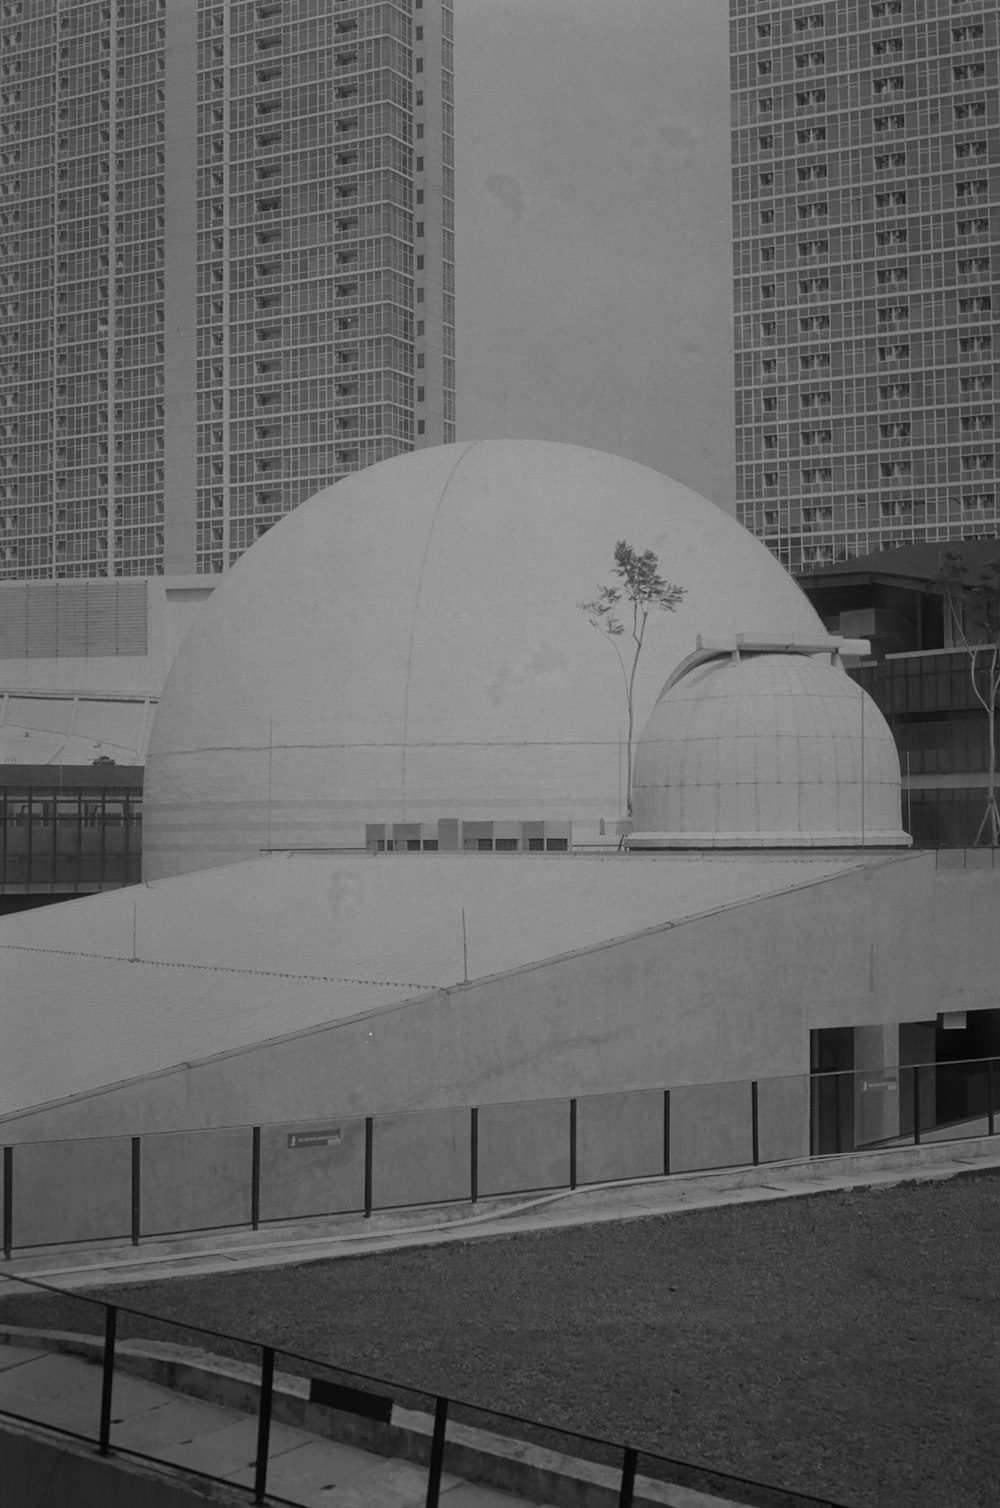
<point>866,187</point>
<point>226,268</point>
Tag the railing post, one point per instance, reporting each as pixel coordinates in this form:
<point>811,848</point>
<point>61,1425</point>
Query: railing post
<point>437,1452</point>
<point>990,1066</point>
<point>474,1154</point>
<point>666,1132</point>
<point>8,1201</point>
<point>136,1197</point>
<point>255,1179</point>
<point>754,1123</point>
<point>107,1379</point>
<point>572,1144</point>
<point>369,1148</point>
<point>916,1104</point>
<point>263,1423</point>
<point>629,1462</point>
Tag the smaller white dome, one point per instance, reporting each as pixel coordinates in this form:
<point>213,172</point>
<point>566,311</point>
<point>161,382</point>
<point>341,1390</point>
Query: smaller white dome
<point>765,750</point>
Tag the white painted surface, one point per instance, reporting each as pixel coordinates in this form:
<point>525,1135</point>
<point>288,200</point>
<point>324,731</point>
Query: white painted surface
<point>238,955</point>
<point>772,749</point>
<point>70,709</point>
<point>409,645</point>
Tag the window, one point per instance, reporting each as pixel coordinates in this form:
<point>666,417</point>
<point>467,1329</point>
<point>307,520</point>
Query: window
<point>766,179</point>
<point>885,160</point>
<point>811,475</point>
<point>898,352</point>
<point>814,248</point>
<point>767,217</point>
<point>813,360</point>
<point>816,209</point>
<point>805,97</point>
<point>895,429</point>
<point>817,436</point>
<point>892,469</point>
<point>765,142</point>
<point>891,199</point>
<point>892,275</point>
<point>806,134</point>
<point>770,479</point>
<point>963,72</point>
<point>981,383</point>
<point>764,65</point>
<point>765,104</point>
<point>809,23</point>
<point>973,264</point>
<point>971,110</point>
<point>886,46</point>
<point>894,390</point>
<point>820,399</point>
<point>767,253</point>
<point>970,344</point>
<point>811,172</point>
<point>810,59</point>
<point>814,285</point>
<point>975,423</point>
<point>977,226</point>
<point>891,314</point>
<point>976,303</point>
<point>970,149</point>
<point>767,290</point>
<point>890,122</point>
<point>888,84</point>
<point>810,323</point>
<point>763,29</point>
<point>882,8</point>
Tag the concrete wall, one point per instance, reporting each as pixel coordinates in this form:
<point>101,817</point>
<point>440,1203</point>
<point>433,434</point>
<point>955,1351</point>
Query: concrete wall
<point>312,1169</point>
<point>81,1190</point>
<point>73,1191</point>
<point>728,996</point>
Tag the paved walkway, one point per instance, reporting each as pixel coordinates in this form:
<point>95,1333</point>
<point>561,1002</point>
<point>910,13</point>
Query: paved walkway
<point>188,1433</point>
<point>64,1392</point>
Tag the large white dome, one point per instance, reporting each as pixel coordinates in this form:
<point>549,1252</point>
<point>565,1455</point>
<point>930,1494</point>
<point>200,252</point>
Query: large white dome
<point>408,645</point>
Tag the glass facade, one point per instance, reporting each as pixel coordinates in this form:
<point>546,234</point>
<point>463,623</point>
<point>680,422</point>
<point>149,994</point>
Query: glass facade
<point>866,176</point>
<point>226,268</point>
<point>942,736</point>
<point>73,838</point>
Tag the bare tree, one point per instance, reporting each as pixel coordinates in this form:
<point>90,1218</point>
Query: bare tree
<point>641,589</point>
<point>974,608</point>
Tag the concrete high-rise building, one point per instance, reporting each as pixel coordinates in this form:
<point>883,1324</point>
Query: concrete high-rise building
<point>226,268</point>
<point>866,176</point>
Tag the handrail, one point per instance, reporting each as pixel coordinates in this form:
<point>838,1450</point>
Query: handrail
<point>630,1452</point>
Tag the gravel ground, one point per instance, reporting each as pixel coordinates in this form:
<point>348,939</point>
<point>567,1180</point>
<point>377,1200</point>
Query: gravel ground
<point>841,1344</point>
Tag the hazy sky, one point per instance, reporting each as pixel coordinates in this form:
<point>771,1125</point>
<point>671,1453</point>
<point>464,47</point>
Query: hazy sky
<point>593,232</point>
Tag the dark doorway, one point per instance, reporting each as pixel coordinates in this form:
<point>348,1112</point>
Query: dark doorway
<point>831,1101</point>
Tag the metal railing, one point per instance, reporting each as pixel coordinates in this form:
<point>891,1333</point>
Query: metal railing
<point>435,1431</point>
<point>130,1189</point>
